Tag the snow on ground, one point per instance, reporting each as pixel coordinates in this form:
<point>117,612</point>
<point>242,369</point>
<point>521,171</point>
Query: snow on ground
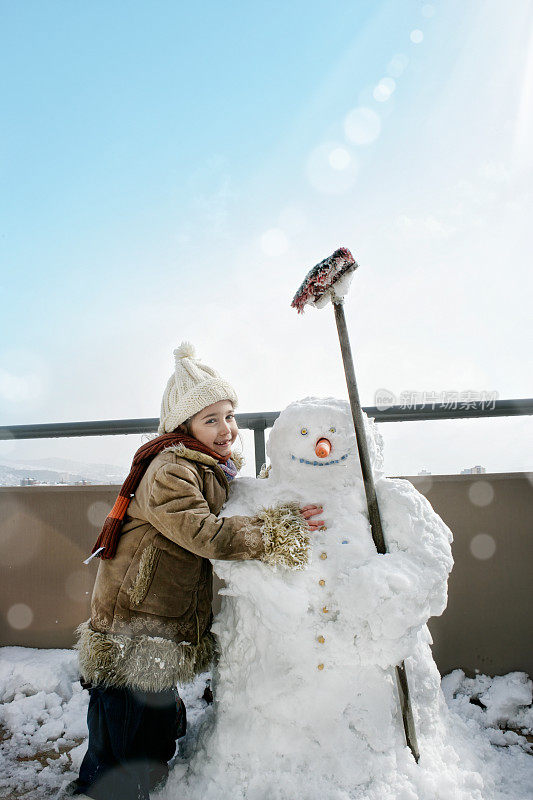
<point>43,729</point>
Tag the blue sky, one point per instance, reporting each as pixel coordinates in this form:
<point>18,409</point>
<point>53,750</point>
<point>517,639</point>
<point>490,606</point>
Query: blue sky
<point>171,171</point>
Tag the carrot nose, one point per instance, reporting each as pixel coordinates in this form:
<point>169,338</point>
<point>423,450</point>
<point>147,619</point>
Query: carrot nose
<point>323,448</point>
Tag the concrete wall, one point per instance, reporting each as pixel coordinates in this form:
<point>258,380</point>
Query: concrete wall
<point>487,625</point>
<point>47,531</point>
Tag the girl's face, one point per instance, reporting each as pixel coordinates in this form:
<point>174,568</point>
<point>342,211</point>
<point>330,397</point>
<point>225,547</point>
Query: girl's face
<point>216,427</point>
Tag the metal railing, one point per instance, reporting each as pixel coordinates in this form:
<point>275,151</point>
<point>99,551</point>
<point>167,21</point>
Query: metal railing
<point>260,421</point>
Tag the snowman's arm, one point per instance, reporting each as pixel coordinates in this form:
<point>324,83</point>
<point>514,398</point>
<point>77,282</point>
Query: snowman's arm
<point>410,523</point>
<point>418,540</point>
<point>177,509</point>
<point>398,592</point>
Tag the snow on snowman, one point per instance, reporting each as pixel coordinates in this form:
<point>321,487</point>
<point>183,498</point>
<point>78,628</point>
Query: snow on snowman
<point>306,703</point>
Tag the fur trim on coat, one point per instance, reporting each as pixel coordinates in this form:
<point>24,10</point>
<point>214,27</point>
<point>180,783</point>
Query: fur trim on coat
<point>147,564</point>
<point>239,460</point>
<point>193,455</point>
<point>285,536</point>
<point>148,663</point>
<point>204,458</point>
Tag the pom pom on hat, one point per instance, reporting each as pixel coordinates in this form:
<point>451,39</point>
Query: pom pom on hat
<point>185,350</point>
<point>192,387</point>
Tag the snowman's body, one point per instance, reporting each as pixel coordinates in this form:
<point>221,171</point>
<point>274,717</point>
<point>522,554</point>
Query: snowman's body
<point>306,702</point>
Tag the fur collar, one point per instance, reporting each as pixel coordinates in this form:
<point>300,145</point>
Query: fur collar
<point>194,455</point>
<point>238,460</point>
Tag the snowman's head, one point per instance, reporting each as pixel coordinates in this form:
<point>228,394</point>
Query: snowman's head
<point>315,437</point>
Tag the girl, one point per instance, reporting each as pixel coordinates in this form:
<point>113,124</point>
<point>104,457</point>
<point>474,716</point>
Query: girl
<point>151,604</point>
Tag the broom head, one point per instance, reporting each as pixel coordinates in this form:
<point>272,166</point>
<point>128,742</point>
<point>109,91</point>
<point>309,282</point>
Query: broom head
<point>329,280</point>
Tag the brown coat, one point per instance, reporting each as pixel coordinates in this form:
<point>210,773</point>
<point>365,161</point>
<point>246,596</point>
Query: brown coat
<point>151,604</point>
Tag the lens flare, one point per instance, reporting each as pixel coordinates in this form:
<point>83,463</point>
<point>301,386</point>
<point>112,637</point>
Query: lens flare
<point>362,126</point>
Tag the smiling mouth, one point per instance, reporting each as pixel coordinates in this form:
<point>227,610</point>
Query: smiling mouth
<point>321,463</point>
<point>222,444</point>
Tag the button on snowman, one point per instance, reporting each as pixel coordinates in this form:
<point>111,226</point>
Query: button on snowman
<point>305,695</point>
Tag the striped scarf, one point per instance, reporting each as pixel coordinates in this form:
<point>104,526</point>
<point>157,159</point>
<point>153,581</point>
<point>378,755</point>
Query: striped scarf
<point>107,541</point>
<point>229,469</point>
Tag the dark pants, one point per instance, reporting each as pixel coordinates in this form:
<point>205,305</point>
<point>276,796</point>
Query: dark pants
<point>132,736</point>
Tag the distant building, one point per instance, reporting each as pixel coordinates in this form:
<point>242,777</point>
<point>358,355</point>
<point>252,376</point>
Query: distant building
<point>424,472</point>
<point>28,481</point>
<point>477,470</point>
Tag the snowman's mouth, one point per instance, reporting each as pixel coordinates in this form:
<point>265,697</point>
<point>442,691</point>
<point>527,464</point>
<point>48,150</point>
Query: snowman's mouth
<point>320,463</point>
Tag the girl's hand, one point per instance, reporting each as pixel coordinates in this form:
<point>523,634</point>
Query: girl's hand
<point>312,511</point>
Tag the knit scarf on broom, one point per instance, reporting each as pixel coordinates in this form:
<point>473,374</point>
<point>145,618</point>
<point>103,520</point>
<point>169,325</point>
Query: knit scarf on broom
<point>110,533</point>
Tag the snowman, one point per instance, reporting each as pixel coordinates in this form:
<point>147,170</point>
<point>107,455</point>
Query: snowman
<point>306,704</point>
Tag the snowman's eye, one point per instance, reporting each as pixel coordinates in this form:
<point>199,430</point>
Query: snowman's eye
<point>332,430</point>
<point>304,431</point>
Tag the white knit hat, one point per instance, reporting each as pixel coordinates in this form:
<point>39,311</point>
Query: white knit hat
<point>192,387</point>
